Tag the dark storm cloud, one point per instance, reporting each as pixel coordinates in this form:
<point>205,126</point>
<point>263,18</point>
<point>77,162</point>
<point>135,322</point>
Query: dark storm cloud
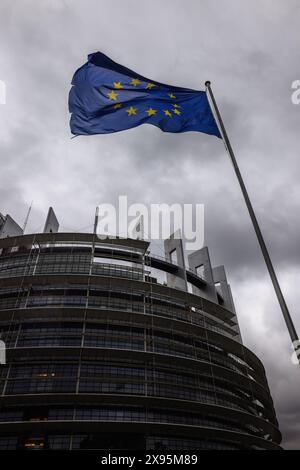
<point>249,51</point>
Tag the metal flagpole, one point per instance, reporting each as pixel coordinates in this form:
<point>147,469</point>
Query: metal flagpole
<point>281,300</point>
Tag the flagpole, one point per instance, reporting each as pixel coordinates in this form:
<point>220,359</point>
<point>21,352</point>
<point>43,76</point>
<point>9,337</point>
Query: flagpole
<point>285,312</point>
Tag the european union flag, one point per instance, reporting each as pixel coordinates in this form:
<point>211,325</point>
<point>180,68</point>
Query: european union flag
<point>107,97</point>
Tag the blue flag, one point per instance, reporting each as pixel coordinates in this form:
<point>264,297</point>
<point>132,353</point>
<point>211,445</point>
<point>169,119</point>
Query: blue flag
<point>106,97</point>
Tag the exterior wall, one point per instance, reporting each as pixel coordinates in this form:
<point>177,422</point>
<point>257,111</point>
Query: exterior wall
<point>198,258</point>
<point>99,355</point>
<point>220,279</point>
<point>51,224</point>
<point>9,228</point>
<point>174,245</point>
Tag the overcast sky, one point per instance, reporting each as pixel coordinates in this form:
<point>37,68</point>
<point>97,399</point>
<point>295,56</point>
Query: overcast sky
<point>250,50</point>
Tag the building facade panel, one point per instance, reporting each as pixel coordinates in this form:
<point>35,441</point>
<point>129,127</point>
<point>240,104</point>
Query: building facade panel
<point>102,352</point>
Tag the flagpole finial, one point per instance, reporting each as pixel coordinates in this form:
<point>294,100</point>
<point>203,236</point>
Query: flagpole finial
<point>207,83</point>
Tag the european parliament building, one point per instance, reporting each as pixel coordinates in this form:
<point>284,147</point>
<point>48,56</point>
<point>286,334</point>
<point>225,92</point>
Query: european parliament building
<point>112,347</point>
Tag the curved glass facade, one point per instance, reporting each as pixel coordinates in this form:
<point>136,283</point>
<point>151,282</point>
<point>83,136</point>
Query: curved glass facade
<point>102,354</point>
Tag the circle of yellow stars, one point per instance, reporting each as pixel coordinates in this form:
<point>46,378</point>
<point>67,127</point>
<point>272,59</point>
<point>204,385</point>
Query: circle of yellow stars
<point>132,111</point>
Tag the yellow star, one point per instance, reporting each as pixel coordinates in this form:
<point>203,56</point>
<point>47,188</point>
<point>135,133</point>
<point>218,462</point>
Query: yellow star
<point>131,111</point>
<point>117,85</point>
<point>151,112</point>
<point>117,106</point>
<point>171,95</point>
<point>135,82</point>
<point>167,113</point>
<point>175,111</point>
<point>112,95</point>
<point>150,86</point>
<point>176,105</point>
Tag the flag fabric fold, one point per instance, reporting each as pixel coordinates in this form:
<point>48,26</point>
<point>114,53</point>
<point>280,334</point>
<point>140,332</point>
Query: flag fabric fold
<point>107,97</point>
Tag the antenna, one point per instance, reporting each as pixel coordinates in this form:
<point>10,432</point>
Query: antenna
<point>27,217</point>
<point>96,220</point>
